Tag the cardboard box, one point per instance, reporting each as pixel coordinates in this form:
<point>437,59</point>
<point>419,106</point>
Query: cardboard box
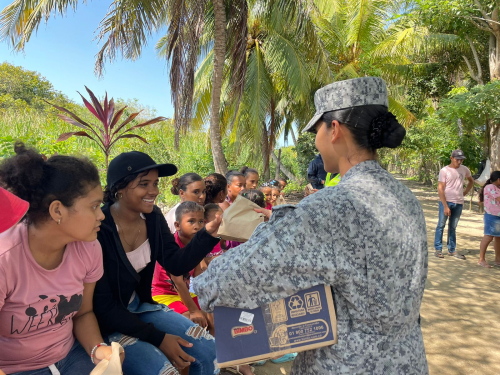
<point>300,322</point>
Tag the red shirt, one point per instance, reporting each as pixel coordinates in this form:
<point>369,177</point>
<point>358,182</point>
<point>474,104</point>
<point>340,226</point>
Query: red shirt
<point>162,283</point>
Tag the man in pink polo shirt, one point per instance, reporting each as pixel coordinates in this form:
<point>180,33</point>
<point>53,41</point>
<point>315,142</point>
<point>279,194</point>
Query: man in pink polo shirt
<point>451,201</point>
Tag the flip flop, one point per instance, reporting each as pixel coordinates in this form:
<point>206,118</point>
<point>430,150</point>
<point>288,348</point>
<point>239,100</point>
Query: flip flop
<point>485,265</point>
<point>260,363</point>
<point>439,254</point>
<point>236,370</point>
<point>285,358</point>
<point>456,255</point>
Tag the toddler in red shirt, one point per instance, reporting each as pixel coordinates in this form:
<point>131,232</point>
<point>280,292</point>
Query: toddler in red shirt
<point>173,291</point>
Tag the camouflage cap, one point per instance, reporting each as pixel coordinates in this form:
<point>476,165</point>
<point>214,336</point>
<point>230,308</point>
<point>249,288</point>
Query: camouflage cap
<point>347,94</point>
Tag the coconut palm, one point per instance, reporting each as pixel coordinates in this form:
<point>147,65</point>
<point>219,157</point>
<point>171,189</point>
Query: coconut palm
<point>361,37</point>
<point>278,74</point>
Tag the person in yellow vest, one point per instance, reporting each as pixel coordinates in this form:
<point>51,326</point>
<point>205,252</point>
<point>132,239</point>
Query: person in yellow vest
<point>332,179</point>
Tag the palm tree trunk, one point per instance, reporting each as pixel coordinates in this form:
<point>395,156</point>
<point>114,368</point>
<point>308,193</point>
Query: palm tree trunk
<point>288,173</point>
<point>278,165</point>
<point>220,161</point>
<point>293,136</point>
<point>265,152</point>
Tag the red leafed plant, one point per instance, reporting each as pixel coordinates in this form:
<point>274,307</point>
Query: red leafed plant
<point>107,134</point>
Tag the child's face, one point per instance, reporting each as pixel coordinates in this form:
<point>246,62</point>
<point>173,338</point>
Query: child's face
<point>282,185</point>
<point>191,223</point>
<point>252,181</point>
<point>236,185</point>
<point>212,214</point>
<point>275,193</point>
<point>267,193</point>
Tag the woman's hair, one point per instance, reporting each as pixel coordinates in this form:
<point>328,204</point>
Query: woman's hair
<point>211,207</point>
<point>40,182</point>
<point>232,174</point>
<point>186,208</point>
<point>256,196</point>
<point>372,126</point>
<point>182,183</point>
<point>246,171</point>
<point>214,183</point>
<point>493,177</point>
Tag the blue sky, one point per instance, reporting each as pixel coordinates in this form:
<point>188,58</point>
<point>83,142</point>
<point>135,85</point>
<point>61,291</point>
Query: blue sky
<point>63,51</point>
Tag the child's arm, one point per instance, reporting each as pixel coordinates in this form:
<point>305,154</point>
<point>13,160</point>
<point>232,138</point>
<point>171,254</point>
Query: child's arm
<point>200,268</point>
<point>195,315</point>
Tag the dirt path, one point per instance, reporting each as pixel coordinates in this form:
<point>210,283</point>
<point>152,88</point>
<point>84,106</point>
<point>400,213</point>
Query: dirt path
<point>461,306</point>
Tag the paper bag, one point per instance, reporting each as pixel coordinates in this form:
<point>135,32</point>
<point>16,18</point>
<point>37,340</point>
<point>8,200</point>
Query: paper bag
<point>240,220</point>
<point>113,366</point>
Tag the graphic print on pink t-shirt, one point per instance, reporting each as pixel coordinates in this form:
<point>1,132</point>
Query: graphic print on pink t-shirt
<point>37,305</point>
<point>45,312</point>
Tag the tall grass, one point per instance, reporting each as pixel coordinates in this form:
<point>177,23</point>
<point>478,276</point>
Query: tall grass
<point>40,130</point>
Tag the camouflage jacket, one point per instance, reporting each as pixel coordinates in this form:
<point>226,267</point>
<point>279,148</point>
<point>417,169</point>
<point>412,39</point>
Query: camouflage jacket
<point>366,238</point>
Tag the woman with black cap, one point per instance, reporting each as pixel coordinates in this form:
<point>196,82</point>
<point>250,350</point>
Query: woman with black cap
<point>366,238</point>
<point>134,236</point>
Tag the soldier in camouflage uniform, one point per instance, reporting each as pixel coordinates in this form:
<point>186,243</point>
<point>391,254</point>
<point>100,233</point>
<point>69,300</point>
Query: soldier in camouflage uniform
<point>366,238</point>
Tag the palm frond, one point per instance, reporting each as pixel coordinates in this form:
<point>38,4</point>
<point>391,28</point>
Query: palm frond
<point>180,46</point>
<point>258,91</point>
<point>284,57</point>
<point>126,29</point>
<point>19,19</point>
<point>404,116</point>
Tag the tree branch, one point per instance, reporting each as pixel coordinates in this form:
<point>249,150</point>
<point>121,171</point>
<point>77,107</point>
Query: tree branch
<point>471,72</point>
<point>480,25</point>
<point>479,77</point>
<point>483,12</point>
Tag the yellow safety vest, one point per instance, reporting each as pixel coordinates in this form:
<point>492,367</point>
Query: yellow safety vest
<point>332,181</point>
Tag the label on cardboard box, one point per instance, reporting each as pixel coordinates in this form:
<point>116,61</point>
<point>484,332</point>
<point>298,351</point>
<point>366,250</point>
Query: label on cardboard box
<point>246,317</point>
<point>303,321</point>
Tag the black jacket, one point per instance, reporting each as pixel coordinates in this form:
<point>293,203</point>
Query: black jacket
<point>114,290</point>
<point>316,172</point>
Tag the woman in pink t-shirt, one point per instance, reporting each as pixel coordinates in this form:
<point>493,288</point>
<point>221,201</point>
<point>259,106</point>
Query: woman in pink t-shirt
<point>49,264</point>
<point>490,195</point>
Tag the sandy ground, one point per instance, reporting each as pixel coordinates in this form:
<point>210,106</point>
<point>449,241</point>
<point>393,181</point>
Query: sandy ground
<point>461,306</point>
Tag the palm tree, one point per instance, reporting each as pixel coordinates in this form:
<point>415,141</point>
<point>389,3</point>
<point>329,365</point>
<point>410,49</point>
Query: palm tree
<point>126,29</point>
<point>277,75</point>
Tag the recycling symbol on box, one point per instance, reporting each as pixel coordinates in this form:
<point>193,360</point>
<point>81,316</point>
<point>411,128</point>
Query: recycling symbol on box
<point>296,305</point>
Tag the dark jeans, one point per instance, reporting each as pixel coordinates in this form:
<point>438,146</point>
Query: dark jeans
<point>456,211</point>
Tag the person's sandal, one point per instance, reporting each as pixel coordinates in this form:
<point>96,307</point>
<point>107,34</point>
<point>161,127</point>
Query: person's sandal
<point>236,369</point>
<point>456,255</point>
<point>439,254</point>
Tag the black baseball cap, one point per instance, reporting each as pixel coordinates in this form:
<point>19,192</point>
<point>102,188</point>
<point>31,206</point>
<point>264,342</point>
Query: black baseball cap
<point>458,154</point>
<point>134,162</point>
